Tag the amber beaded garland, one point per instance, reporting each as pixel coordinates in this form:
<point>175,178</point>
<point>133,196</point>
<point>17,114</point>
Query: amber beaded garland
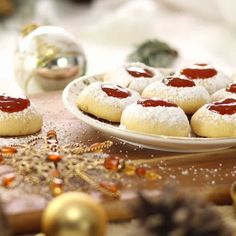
<point>57,164</point>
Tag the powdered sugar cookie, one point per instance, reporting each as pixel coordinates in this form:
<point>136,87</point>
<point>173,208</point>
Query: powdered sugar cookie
<point>18,116</point>
<point>206,76</point>
<point>217,119</point>
<point>155,116</point>
<point>179,90</point>
<point>106,100</point>
<point>135,76</point>
<point>229,92</point>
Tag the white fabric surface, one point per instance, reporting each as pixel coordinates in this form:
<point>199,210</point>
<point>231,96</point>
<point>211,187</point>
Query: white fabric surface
<point>108,30</point>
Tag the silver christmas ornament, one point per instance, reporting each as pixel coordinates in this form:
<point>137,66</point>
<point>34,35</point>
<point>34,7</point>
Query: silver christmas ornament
<point>47,58</point>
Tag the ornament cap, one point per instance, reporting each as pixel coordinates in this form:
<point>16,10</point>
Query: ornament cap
<point>28,28</point>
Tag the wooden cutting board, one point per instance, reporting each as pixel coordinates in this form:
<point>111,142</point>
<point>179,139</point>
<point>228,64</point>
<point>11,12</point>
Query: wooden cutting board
<point>207,174</point>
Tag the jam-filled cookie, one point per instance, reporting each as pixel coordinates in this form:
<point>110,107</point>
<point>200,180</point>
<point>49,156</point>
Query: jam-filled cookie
<point>179,90</point>
<point>135,76</point>
<point>217,119</point>
<point>229,92</point>
<point>206,76</point>
<point>155,116</point>
<point>106,100</point>
<point>18,116</point>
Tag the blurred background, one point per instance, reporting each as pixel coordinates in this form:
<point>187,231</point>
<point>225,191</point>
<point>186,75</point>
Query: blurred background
<point>108,30</point>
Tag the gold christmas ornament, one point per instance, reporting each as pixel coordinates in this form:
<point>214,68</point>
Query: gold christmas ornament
<point>47,58</point>
<point>74,214</point>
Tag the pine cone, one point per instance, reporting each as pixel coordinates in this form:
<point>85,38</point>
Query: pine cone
<point>176,214</point>
<point>154,53</point>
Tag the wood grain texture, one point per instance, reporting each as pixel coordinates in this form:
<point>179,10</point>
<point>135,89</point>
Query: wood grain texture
<point>207,174</point>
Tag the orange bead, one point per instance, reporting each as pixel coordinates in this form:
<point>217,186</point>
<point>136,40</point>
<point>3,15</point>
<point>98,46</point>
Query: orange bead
<point>55,173</point>
<point>151,175</point>
<point>52,137</point>
<point>8,179</point>
<point>54,156</point>
<point>141,171</point>
<point>8,150</point>
<point>56,186</point>
<point>112,163</point>
<point>1,157</point>
<point>57,191</point>
<point>129,169</point>
<point>109,186</point>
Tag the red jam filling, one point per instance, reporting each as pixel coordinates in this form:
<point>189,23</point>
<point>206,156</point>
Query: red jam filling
<point>225,107</point>
<point>154,102</point>
<point>136,71</point>
<point>115,91</point>
<point>200,72</point>
<point>178,82</point>
<point>231,88</point>
<point>13,104</point>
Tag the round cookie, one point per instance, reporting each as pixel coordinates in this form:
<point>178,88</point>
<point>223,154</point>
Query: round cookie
<point>229,92</point>
<point>18,116</point>
<point>156,116</point>
<point>106,100</point>
<point>217,119</point>
<point>206,76</point>
<point>135,76</point>
<point>181,91</point>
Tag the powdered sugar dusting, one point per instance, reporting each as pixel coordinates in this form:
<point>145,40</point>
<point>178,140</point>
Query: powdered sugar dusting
<point>173,115</point>
<point>94,90</point>
<point>120,76</point>
<point>213,84</point>
<point>29,112</point>
<point>222,94</point>
<point>172,118</point>
<point>205,113</point>
<point>175,94</point>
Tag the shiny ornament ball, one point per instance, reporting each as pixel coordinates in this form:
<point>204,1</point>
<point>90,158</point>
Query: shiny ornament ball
<point>74,214</point>
<point>47,58</point>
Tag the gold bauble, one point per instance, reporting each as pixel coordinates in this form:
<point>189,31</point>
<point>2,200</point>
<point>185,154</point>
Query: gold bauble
<point>47,58</point>
<point>74,214</point>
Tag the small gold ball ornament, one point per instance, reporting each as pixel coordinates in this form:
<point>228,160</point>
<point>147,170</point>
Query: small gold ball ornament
<point>74,214</point>
<point>47,58</point>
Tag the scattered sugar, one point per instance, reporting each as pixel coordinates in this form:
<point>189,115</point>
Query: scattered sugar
<point>185,172</point>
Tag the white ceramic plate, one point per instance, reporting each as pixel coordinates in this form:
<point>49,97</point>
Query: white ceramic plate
<point>166,143</point>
